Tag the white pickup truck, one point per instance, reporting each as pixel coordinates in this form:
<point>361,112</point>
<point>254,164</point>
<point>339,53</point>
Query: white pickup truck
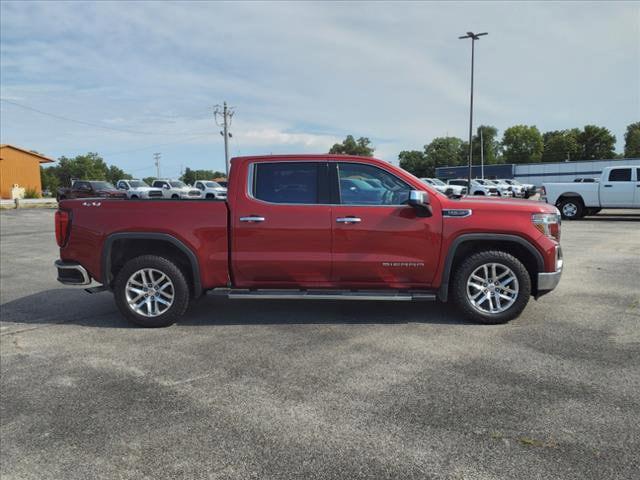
<point>619,187</point>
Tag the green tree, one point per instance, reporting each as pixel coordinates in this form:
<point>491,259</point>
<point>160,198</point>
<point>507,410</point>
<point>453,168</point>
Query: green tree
<point>115,173</point>
<point>148,180</point>
<point>417,163</point>
<point>446,151</point>
<point>522,144</point>
<point>560,145</point>
<point>632,141</point>
<point>190,176</point>
<point>596,143</point>
<point>49,179</point>
<point>351,146</point>
<point>490,143</point>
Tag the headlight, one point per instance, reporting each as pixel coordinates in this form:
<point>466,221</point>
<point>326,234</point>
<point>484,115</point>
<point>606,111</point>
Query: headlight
<point>548,224</point>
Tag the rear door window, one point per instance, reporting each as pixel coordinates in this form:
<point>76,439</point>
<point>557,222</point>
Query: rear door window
<point>620,175</point>
<point>286,182</point>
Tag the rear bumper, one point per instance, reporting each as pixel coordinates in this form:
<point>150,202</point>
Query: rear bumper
<point>71,273</point>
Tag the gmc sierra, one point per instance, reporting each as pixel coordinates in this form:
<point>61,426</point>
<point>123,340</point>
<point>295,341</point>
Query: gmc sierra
<point>313,227</point>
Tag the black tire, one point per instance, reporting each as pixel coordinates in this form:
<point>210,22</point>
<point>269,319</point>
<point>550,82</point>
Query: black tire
<point>479,192</point>
<point>175,197</point>
<point>571,208</point>
<point>210,195</point>
<point>180,291</point>
<point>134,197</point>
<point>468,266</point>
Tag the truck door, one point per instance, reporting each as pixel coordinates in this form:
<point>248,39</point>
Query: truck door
<point>281,226</point>
<point>618,189</point>
<point>378,240</point>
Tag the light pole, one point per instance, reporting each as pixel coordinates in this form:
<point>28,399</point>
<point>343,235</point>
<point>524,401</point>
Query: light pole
<point>473,37</point>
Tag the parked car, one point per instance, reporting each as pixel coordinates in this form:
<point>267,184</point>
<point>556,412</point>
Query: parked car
<point>448,190</point>
<point>211,189</point>
<point>89,189</point>
<point>222,183</point>
<point>138,189</point>
<point>504,189</point>
<point>292,228</point>
<point>618,187</point>
<point>477,188</point>
<point>176,189</point>
<point>527,188</point>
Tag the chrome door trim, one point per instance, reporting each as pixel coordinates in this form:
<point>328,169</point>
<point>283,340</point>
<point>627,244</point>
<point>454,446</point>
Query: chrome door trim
<point>252,219</point>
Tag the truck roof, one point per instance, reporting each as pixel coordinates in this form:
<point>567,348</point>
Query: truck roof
<point>305,156</point>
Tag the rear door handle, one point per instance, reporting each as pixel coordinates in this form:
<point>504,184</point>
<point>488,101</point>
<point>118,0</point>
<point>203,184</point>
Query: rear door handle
<point>348,220</point>
<point>608,186</point>
<point>252,219</point>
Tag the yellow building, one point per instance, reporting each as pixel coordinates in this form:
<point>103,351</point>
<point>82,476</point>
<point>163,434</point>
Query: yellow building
<point>21,167</point>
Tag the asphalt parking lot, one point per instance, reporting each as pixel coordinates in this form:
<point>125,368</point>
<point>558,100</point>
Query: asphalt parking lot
<point>273,389</point>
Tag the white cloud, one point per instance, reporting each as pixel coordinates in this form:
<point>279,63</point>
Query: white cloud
<point>303,75</point>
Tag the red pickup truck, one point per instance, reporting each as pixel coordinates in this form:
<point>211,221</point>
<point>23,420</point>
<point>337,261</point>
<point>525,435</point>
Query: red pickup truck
<point>313,227</point>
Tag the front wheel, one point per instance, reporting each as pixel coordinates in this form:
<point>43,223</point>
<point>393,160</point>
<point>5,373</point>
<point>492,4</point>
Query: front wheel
<point>491,287</point>
<point>151,291</point>
<point>571,208</point>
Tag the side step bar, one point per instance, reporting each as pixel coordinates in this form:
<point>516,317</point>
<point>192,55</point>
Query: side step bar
<point>269,294</point>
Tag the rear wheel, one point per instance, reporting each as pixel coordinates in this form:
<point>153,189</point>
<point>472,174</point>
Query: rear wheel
<point>175,197</point>
<point>134,197</point>
<point>491,287</point>
<point>151,291</point>
<point>571,208</point>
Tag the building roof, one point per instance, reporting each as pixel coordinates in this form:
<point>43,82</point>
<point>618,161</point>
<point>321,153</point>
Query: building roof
<point>41,158</point>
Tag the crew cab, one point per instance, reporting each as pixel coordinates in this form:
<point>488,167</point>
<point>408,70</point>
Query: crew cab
<point>176,189</point>
<point>477,188</point>
<point>211,189</point>
<point>138,189</point>
<point>305,227</point>
<point>617,187</point>
<point>89,189</point>
<point>448,190</point>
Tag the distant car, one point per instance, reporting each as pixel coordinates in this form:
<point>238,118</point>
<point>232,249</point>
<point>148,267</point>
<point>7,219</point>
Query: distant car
<point>89,189</point>
<point>585,180</point>
<point>448,190</point>
<point>504,189</point>
<point>476,187</point>
<point>528,188</point>
<point>211,189</point>
<point>222,183</point>
<point>176,189</point>
<point>138,189</point>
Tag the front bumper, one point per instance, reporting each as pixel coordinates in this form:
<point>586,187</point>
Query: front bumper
<point>71,273</point>
<point>547,281</point>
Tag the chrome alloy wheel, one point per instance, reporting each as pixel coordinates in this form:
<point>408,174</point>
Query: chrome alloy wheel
<point>492,288</point>
<point>569,209</point>
<point>149,292</point>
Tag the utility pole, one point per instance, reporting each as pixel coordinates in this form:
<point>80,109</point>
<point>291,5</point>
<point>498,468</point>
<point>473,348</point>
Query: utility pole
<point>156,157</point>
<point>223,119</point>
<point>481,155</point>
<point>473,37</point>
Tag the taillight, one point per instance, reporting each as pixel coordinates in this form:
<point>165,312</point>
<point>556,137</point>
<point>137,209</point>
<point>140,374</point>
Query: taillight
<point>63,222</point>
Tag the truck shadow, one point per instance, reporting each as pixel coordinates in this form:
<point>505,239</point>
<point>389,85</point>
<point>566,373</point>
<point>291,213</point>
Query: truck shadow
<point>74,306</point>
<point>613,217</point>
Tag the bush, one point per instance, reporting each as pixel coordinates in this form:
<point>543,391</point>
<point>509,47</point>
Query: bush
<point>31,193</point>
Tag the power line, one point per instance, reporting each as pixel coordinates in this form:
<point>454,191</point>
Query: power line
<point>83,122</point>
<point>113,154</point>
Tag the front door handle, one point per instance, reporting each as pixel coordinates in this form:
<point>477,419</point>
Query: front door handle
<point>252,219</point>
<point>608,186</point>
<point>348,220</point>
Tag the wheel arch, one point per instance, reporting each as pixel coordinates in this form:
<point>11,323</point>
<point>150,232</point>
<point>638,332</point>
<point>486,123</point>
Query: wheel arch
<point>121,247</point>
<point>468,244</point>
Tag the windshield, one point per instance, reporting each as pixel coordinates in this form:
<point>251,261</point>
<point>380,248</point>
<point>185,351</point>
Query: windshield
<point>480,181</point>
<point>212,184</point>
<point>177,184</point>
<point>437,181</point>
<point>137,183</point>
<point>102,185</point>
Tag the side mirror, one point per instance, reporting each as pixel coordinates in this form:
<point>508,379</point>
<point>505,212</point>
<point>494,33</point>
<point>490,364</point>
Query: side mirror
<point>419,200</point>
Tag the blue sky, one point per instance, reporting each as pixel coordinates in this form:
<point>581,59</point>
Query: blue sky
<point>303,75</point>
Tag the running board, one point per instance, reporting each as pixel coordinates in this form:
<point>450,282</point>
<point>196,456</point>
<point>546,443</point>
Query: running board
<point>269,294</point>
